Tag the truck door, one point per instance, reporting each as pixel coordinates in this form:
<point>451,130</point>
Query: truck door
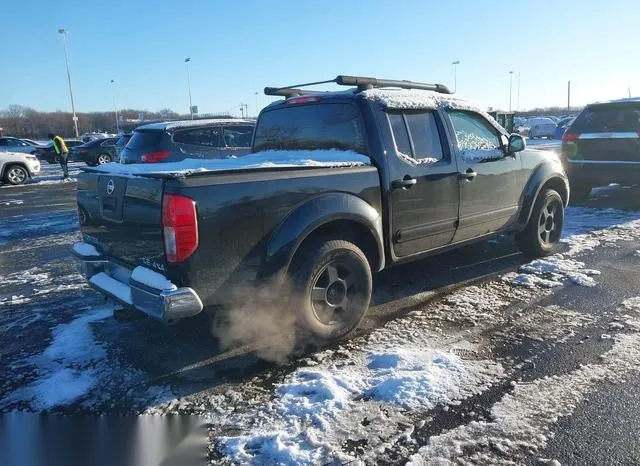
<point>489,180</point>
<point>423,183</point>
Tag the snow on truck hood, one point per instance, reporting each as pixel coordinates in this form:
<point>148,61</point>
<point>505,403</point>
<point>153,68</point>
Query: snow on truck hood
<point>258,160</point>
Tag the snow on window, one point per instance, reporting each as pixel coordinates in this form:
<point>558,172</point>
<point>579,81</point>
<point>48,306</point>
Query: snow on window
<point>476,139</point>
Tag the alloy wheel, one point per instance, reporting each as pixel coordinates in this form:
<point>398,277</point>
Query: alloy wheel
<point>16,175</point>
<point>550,224</point>
<point>333,292</point>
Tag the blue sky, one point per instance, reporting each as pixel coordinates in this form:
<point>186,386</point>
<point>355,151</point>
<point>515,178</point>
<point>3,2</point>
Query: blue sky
<point>237,48</point>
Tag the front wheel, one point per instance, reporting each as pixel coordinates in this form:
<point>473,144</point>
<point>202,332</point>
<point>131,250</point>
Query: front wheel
<point>542,234</point>
<point>16,175</point>
<point>332,286</point>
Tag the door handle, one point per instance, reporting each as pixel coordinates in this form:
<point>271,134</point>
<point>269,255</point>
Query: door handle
<point>469,175</point>
<point>404,183</point>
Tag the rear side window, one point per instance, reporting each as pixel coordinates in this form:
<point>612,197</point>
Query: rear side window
<point>207,136</point>
<point>611,117</point>
<point>237,136</point>
<point>144,140</point>
<point>417,136</point>
<point>311,127</point>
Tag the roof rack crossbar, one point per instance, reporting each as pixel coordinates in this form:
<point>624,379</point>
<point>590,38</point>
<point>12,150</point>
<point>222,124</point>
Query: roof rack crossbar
<point>361,82</point>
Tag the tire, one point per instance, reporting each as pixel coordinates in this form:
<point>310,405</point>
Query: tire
<point>531,136</point>
<point>542,234</point>
<point>15,175</point>
<point>331,292</point>
<point>102,159</point>
<point>580,192</point>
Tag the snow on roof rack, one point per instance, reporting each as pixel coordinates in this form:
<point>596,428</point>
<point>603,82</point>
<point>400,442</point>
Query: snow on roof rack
<point>362,83</point>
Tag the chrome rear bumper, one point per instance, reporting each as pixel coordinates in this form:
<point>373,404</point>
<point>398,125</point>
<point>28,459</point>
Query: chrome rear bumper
<point>115,281</point>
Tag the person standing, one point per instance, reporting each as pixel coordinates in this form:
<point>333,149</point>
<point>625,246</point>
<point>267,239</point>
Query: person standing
<point>60,148</point>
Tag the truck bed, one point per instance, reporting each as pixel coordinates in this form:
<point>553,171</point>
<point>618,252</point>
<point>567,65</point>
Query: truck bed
<point>238,211</point>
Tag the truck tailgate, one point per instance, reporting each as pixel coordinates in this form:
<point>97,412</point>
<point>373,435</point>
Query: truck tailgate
<point>122,216</point>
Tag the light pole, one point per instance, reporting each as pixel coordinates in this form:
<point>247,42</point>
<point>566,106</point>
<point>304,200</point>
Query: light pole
<point>518,101</point>
<point>115,107</point>
<point>186,62</point>
<point>455,74</point>
<point>63,32</point>
<point>510,87</point>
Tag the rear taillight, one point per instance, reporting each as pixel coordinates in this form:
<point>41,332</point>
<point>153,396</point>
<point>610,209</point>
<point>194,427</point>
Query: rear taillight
<point>180,227</point>
<point>570,137</point>
<point>153,157</point>
<point>83,151</point>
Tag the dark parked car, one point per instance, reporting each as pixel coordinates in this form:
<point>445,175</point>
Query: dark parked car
<point>602,146</point>
<point>95,152</point>
<point>374,177</point>
<point>120,143</point>
<point>176,140</point>
<point>47,154</point>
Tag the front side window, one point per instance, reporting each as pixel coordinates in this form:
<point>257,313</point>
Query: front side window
<point>417,136</point>
<point>237,136</point>
<point>477,140</point>
<point>311,127</point>
<point>208,137</point>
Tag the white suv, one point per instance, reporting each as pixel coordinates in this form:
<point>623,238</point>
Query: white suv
<point>17,168</point>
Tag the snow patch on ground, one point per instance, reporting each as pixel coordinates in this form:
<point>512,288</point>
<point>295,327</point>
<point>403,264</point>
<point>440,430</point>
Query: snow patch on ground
<point>12,202</point>
<point>67,367</point>
<point>552,271</point>
<point>315,410</point>
<point>522,421</point>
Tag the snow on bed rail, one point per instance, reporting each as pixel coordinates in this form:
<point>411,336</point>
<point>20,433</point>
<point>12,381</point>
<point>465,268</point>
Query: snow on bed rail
<point>258,160</point>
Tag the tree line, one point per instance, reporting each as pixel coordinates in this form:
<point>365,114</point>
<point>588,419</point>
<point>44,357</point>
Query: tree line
<point>26,122</point>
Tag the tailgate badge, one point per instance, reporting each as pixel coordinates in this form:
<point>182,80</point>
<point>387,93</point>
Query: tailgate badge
<point>111,186</point>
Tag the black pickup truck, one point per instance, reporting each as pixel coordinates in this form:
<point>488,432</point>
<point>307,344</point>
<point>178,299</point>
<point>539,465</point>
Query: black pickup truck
<point>339,185</point>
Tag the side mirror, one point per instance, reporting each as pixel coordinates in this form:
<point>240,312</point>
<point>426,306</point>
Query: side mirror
<point>516,144</point>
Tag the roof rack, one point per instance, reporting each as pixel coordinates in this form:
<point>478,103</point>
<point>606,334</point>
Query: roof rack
<point>361,82</point>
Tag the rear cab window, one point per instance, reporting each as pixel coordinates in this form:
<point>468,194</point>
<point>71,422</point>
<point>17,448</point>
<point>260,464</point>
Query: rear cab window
<point>320,126</point>
<point>618,117</point>
<point>417,137</point>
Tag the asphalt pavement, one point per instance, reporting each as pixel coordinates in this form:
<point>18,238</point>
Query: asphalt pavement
<point>58,333</point>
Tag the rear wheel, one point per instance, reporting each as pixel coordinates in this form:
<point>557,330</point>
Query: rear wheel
<point>579,192</point>
<point>332,286</point>
<point>542,233</point>
<point>103,158</point>
<point>15,175</point>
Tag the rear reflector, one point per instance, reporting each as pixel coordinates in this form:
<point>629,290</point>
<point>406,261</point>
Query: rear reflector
<point>180,227</point>
<point>302,100</point>
<point>153,157</point>
<point>570,137</point>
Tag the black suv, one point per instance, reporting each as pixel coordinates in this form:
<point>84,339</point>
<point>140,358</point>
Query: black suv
<point>602,146</point>
<point>95,152</point>
<point>176,140</point>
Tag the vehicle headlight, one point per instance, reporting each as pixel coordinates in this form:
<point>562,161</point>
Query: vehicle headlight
<point>31,157</point>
